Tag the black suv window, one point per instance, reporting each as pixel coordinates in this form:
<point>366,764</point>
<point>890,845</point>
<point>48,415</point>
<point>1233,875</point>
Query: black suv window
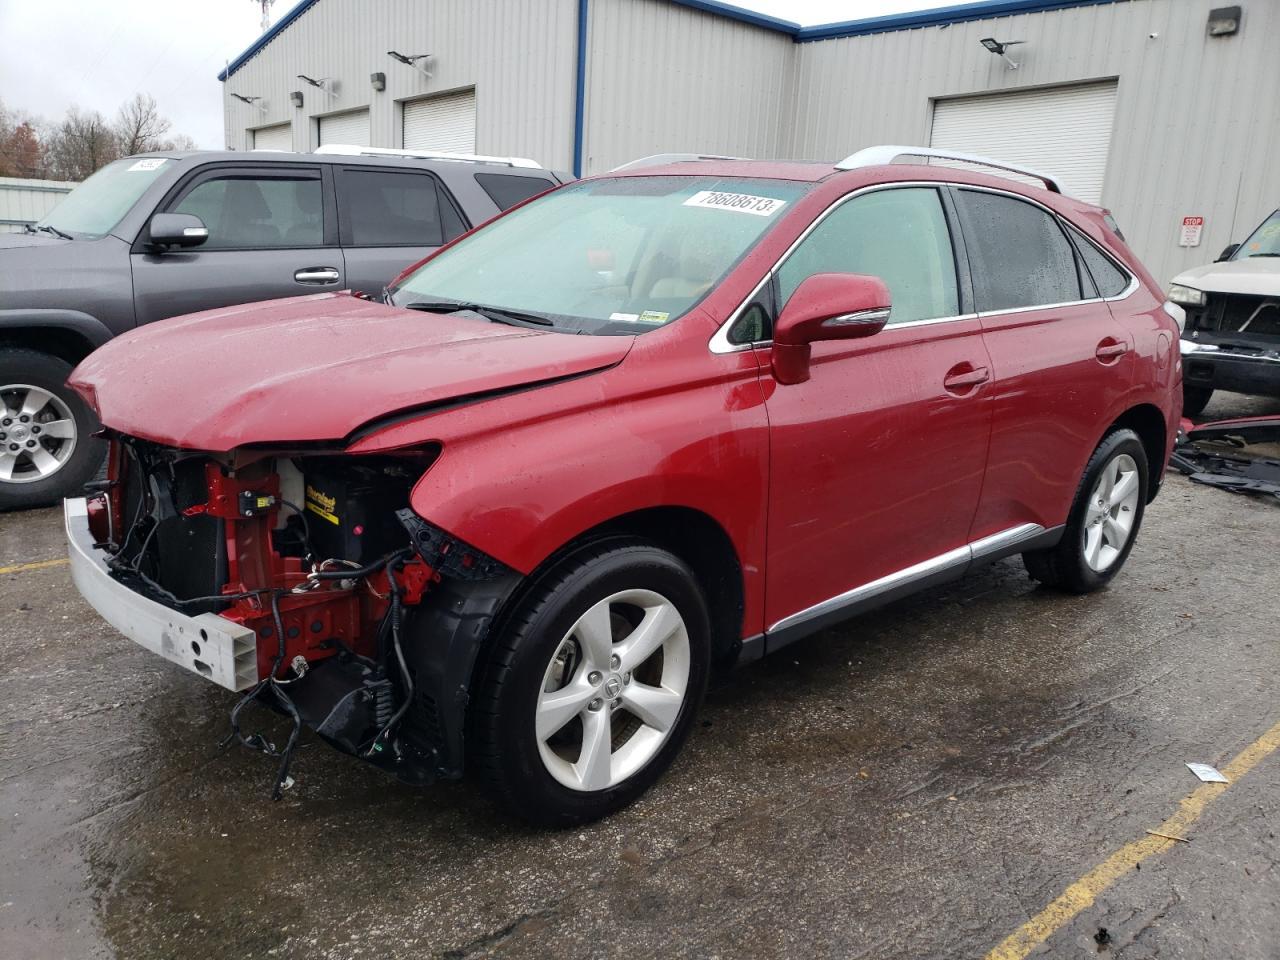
<point>394,208</point>
<point>1019,255</point>
<point>245,211</point>
<point>899,235</point>
<point>1109,279</point>
<point>506,190</point>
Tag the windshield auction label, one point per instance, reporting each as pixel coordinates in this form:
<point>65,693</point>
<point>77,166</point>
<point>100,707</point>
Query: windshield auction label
<point>145,164</point>
<point>737,202</point>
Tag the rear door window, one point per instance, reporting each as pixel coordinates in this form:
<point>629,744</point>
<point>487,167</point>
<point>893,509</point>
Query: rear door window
<point>1018,254</point>
<point>899,235</point>
<point>246,211</point>
<point>394,208</point>
<point>506,190</point>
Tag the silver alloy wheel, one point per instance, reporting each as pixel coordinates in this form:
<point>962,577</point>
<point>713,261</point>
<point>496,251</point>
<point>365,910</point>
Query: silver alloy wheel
<point>1113,506</point>
<point>37,433</point>
<point>613,690</point>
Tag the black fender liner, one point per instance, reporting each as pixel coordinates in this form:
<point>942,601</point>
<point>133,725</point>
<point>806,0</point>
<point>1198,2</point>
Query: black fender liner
<point>90,328</point>
<point>445,635</point>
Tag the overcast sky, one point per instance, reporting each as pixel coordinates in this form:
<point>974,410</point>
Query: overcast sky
<point>99,53</point>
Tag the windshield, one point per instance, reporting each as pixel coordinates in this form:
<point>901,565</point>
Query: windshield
<point>624,255</point>
<point>92,209</point>
<point>1263,242</point>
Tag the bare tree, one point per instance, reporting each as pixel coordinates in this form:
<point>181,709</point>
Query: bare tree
<point>80,144</point>
<point>179,142</point>
<point>139,127</point>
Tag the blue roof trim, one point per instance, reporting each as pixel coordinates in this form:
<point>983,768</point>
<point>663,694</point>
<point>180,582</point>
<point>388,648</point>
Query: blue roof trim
<point>731,12</point>
<point>302,7</point>
<point>937,17</point>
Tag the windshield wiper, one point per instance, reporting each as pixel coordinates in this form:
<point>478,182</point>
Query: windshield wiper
<point>55,231</point>
<point>511,317</point>
<point>1252,255</point>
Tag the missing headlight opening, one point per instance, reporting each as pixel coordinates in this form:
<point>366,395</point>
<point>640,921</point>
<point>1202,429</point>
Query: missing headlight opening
<point>320,558</point>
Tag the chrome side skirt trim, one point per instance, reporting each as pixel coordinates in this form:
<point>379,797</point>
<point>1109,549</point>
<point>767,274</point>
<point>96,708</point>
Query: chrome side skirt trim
<point>947,566</point>
<point>951,559</point>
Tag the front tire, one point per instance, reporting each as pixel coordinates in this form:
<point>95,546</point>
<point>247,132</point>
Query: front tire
<point>593,685</point>
<point>1104,519</point>
<point>47,447</point>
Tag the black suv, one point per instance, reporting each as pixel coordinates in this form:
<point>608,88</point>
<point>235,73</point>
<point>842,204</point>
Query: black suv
<point>155,236</point>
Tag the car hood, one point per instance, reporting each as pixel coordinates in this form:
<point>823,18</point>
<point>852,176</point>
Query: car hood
<point>314,369</point>
<point>1258,276</point>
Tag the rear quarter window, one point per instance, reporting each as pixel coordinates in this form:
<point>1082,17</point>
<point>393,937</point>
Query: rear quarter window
<point>1110,280</point>
<point>506,190</point>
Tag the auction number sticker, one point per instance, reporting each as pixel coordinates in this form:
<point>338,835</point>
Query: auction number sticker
<point>737,202</point>
<point>147,163</point>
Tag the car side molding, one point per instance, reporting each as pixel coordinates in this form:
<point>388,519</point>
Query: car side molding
<point>943,568</point>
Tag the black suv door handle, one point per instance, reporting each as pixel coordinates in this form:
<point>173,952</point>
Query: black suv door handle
<point>317,275</point>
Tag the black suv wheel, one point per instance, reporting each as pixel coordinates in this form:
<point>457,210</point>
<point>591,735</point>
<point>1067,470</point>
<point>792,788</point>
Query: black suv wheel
<point>47,450</point>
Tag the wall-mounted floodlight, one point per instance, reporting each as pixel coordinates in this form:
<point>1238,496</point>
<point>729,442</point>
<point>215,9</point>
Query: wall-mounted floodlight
<point>416,60</point>
<point>1224,21</point>
<point>256,102</point>
<point>998,47</point>
<point>296,98</point>
<point>378,81</point>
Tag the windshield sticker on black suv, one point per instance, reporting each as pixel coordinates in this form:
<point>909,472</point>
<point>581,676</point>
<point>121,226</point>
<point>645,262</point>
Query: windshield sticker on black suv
<point>738,202</point>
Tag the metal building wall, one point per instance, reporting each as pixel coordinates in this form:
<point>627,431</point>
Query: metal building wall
<point>27,201</point>
<point>520,56</point>
<point>1197,124</point>
<point>666,78</point>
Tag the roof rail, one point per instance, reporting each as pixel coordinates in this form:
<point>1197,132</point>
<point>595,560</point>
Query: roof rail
<point>878,156</point>
<point>660,158</point>
<point>351,150</point>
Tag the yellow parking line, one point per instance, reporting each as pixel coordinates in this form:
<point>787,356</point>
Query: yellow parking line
<point>38,565</point>
<point>1084,891</point>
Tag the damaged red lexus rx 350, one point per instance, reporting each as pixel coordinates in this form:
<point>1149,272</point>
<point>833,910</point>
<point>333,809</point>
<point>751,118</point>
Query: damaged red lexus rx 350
<point>644,427</point>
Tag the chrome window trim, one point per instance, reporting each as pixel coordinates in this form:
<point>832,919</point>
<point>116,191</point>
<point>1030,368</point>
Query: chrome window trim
<point>721,344</point>
<point>991,546</point>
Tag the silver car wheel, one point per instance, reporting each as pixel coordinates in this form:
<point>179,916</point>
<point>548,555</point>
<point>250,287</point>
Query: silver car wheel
<point>613,690</point>
<point>1113,505</point>
<point>37,433</point>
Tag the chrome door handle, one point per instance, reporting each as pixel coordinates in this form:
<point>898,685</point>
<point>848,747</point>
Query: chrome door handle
<point>317,275</point>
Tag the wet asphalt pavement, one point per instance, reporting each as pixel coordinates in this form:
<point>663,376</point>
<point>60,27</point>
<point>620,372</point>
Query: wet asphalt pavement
<point>916,784</point>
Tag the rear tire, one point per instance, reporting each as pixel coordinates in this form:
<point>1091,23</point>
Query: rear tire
<point>567,725</point>
<point>1104,519</point>
<point>1195,399</point>
<point>56,453</point>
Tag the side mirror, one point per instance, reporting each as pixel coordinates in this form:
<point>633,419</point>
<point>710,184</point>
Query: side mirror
<point>1230,249</point>
<point>170,230</point>
<point>826,306</point>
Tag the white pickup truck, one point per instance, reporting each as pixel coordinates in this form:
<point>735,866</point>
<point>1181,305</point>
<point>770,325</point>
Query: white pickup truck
<point>1231,340</point>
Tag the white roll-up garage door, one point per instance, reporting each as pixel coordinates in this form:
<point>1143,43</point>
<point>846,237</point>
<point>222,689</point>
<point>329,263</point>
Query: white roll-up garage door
<point>1062,131</point>
<point>351,128</point>
<point>446,123</point>
<point>278,137</point>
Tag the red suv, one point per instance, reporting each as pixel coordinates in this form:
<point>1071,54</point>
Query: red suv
<point>646,426</point>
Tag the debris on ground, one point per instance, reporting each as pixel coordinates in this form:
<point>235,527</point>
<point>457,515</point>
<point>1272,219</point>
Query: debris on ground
<point>1241,455</point>
<point>1207,773</point>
